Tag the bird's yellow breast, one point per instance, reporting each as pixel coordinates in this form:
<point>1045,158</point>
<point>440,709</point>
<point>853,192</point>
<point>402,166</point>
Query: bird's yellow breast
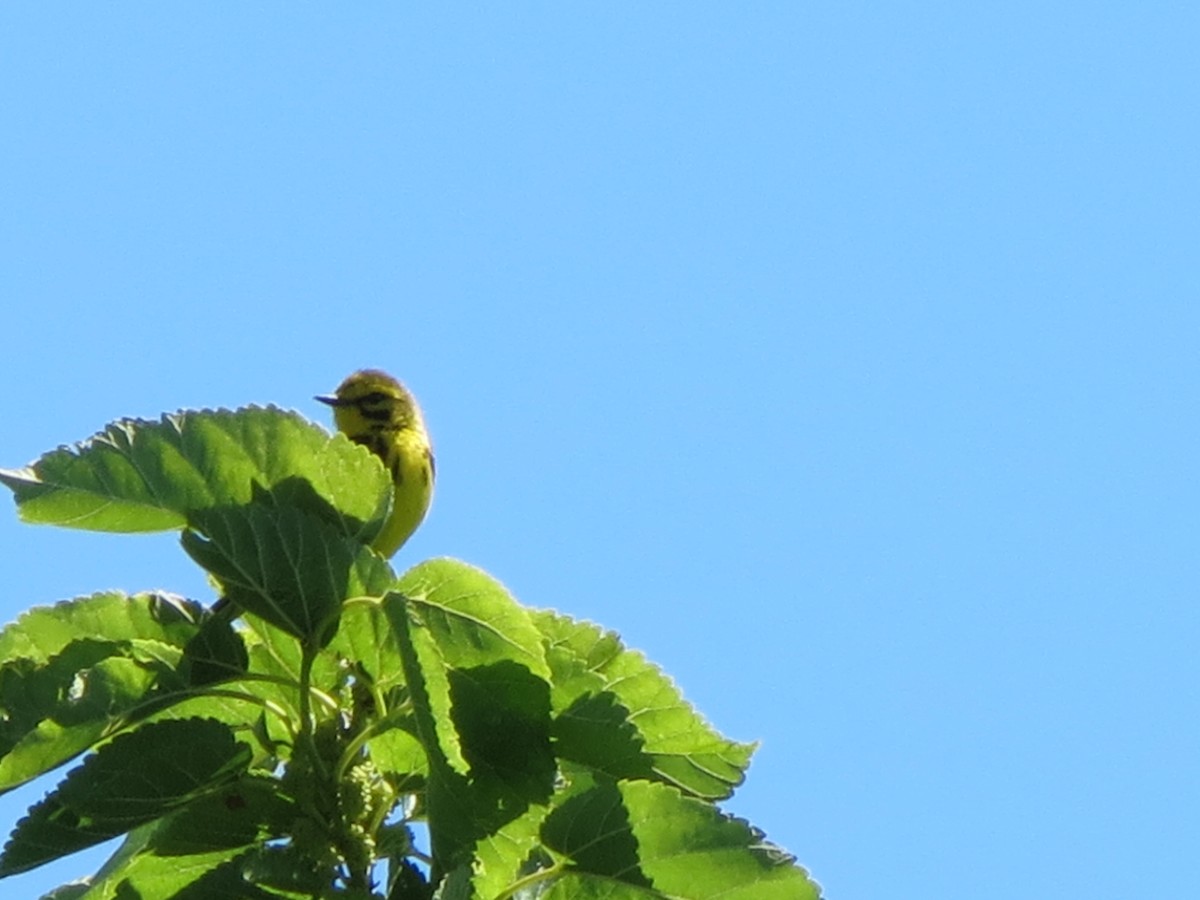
<point>412,469</point>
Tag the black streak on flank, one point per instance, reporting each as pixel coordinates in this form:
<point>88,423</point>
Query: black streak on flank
<point>397,472</point>
<point>376,442</point>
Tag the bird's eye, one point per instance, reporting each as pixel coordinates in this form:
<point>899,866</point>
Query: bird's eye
<point>376,406</point>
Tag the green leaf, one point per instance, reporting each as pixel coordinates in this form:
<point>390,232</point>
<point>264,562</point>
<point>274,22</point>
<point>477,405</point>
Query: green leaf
<point>290,568</point>
<point>690,848</point>
<point>400,756</point>
<point>620,715</point>
<point>136,778</point>
<point>267,695</point>
<point>184,848</point>
<point>69,672</point>
<point>44,631</point>
<point>45,747</point>
<point>471,616</point>
<point>217,652</point>
<point>58,709</point>
<point>225,882</point>
<point>465,620</point>
<point>502,853</point>
<point>475,672</point>
<point>365,635</point>
<point>288,872</point>
<point>141,475</point>
<point>592,828</point>
<point>650,836</point>
<point>76,890</point>
<point>584,886</point>
<point>238,703</point>
<point>481,658</point>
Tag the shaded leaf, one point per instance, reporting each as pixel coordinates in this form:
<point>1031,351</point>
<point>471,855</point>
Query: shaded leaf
<point>650,836</point>
<point>593,829</point>
<point>224,882</point>
<point>408,883</point>
<point>585,886</point>
<point>136,778</point>
<point>689,848</point>
<point>618,713</point>
<point>185,847</point>
<point>216,652</point>
<point>289,568</point>
<point>238,703</point>
<point>44,748</point>
<point>69,672</point>
<point>476,676</point>
<point>285,869</point>
<point>55,710</point>
<point>461,619</point>
<point>76,890</point>
<point>400,756</point>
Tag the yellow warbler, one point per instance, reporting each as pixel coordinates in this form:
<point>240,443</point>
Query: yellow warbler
<point>374,409</point>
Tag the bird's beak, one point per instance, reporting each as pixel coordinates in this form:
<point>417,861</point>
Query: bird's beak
<point>330,399</point>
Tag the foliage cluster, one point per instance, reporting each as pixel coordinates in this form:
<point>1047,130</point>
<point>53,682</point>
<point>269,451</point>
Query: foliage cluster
<point>327,728</point>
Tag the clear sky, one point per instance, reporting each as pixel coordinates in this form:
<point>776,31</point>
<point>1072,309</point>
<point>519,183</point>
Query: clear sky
<point>843,357</point>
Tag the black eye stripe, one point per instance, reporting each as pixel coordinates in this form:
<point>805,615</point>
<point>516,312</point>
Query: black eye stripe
<point>375,406</point>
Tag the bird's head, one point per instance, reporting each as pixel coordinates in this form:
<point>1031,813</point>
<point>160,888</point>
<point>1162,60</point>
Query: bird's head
<point>370,399</point>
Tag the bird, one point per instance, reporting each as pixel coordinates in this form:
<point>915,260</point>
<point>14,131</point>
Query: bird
<point>374,409</point>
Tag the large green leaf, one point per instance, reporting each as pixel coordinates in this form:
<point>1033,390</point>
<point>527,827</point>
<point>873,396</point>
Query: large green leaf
<point>96,684</point>
<point>71,672</point>
<point>136,778</point>
<point>459,620</point>
<point>654,839</point>
<point>286,566</point>
<point>44,631</point>
<point>619,714</point>
<point>476,677</point>
<point>139,475</point>
<point>471,616</point>
<point>481,661</point>
<point>162,858</point>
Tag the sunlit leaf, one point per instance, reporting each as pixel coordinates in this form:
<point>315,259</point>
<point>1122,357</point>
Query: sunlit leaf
<point>44,631</point>
<point>476,677</point>
<point>140,475</point>
<point>620,714</point>
<point>652,837</point>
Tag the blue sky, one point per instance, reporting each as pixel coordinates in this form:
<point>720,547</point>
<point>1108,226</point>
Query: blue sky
<point>841,357</point>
